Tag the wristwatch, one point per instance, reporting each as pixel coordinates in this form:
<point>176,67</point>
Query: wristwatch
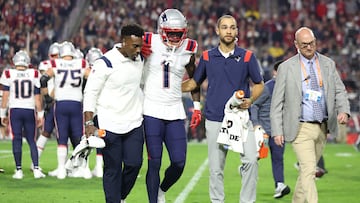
<point>90,122</point>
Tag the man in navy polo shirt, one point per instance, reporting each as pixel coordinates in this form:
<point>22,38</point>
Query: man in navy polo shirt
<point>228,68</point>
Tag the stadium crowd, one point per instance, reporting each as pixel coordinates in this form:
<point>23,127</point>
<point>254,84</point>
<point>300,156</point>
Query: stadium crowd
<point>265,27</point>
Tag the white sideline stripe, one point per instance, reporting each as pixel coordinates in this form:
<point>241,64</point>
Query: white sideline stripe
<point>189,187</point>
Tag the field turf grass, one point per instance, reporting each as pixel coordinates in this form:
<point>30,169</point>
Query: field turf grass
<point>340,185</point>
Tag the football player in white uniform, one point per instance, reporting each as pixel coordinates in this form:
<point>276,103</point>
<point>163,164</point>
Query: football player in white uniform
<point>69,74</point>
<point>49,124</point>
<point>22,96</point>
<point>164,114</point>
<point>92,55</point>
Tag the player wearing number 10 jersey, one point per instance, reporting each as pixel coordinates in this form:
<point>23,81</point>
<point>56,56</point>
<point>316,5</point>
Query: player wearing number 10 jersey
<point>164,114</point>
<point>69,74</point>
<point>22,96</point>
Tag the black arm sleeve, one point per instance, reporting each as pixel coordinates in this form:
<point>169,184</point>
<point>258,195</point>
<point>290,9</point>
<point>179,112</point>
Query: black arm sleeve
<point>43,80</point>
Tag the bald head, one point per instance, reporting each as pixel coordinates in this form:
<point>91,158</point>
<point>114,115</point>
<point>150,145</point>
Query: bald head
<point>305,42</point>
<point>304,31</point>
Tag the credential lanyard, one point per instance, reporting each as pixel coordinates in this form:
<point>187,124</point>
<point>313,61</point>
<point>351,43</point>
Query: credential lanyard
<point>318,71</point>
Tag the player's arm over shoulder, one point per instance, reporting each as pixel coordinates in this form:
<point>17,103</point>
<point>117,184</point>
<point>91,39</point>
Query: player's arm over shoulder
<point>191,46</point>
<point>190,67</point>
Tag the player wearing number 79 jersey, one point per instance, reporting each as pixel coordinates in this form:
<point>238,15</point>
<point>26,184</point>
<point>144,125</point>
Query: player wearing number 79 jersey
<point>69,74</point>
<point>164,114</point>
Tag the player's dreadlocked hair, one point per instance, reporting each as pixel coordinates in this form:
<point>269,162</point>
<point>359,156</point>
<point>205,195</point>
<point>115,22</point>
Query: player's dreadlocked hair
<point>132,29</point>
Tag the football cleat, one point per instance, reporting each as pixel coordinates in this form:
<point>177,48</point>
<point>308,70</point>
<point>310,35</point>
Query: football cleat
<point>98,172</point>
<point>75,173</point>
<point>53,173</point>
<point>38,174</point>
<point>281,190</point>
<point>18,174</point>
<point>320,172</point>
<point>32,167</point>
<point>61,173</point>
<point>87,173</point>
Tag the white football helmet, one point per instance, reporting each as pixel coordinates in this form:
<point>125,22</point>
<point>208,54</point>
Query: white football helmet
<point>21,58</point>
<point>92,55</point>
<point>79,54</point>
<point>172,26</point>
<point>67,49</point>
<point>54,50</point>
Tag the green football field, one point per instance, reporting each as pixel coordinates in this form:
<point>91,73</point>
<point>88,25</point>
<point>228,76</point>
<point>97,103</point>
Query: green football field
<point>340,185</point>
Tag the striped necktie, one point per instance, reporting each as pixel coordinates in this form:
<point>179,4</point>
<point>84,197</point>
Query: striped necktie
<point>314,85</point>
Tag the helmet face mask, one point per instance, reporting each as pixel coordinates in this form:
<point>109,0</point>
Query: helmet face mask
<point>21,58</point>
<point>172,26</point>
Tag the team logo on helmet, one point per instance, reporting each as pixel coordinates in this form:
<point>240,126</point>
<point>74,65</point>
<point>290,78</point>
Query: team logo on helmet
<point>172,26</point>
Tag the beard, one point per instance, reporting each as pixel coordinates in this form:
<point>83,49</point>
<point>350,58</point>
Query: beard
<point>226,41</point>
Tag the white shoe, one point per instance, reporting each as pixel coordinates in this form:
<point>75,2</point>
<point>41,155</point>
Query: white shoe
<point>161,196</point>
<point>53,173</point>
<point>32,167</point>
<point>87,173</point>
<point>281,190</point>
<point>122,201</point>
<point>61,173</point>
<point>75,173</point>
<point>98,172</point>
<point>38,174</point>
<point>18,174</point>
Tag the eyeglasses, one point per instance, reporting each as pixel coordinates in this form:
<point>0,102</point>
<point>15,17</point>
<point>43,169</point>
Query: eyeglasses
<point>304,45</point>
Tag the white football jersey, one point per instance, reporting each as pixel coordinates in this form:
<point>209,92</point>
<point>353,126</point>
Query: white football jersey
<point>21,84</point>
<point>68,81</point>
<point>163,75</point>
<point>43,66</point>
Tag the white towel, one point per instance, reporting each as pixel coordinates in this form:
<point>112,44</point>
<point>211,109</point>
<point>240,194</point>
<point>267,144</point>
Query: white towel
<point>259,136</point>
<point>234,128</point>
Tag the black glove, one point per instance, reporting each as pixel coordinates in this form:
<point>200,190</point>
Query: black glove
<point>48,102</point>
<point>48,99</point>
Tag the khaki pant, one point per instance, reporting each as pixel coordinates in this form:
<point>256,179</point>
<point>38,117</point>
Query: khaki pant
<point>308,147</point>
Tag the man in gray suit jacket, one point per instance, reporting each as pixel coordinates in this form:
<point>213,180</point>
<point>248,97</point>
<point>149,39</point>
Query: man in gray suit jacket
<point>306,104</point>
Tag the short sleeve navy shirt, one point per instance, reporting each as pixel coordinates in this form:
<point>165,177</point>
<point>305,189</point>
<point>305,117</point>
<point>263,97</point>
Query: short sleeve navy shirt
<point>225,76</point>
